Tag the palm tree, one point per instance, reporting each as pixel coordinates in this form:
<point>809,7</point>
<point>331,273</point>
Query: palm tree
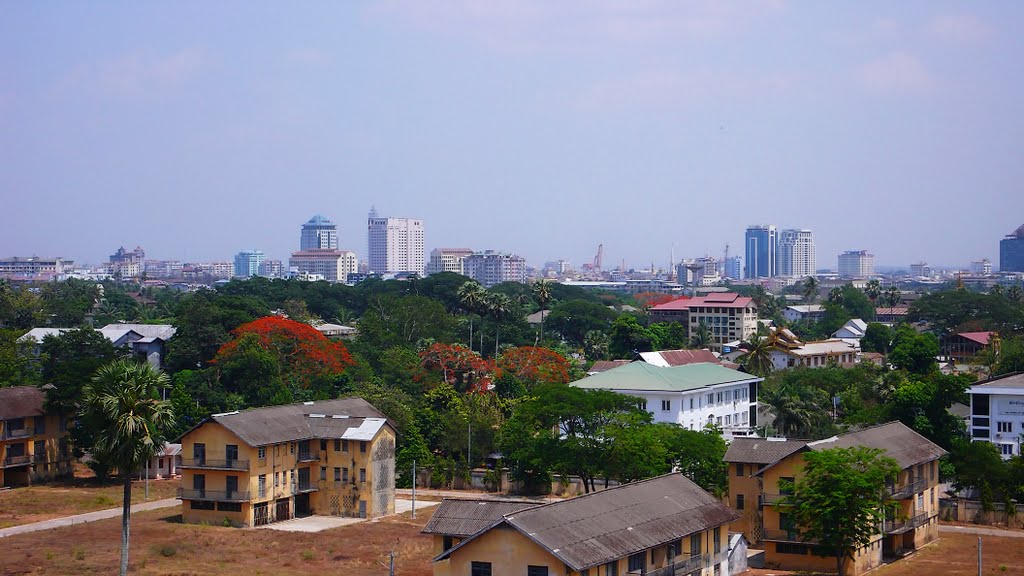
<point>810,289</point>
<point>122,407</point>
<point>499,306</point>
<point>794,410</point>
<point>835,296</point>
<point>471,298</point>
<point>542,293</point>
<point>1014,293</point>
<point>758,360</point>
<point>997,290</point>
<point>892,297</point>
<point>701,337</point>
<point>873,290</point>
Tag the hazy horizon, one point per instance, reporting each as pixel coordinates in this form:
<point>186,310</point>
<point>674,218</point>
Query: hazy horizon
<point>539,128</point>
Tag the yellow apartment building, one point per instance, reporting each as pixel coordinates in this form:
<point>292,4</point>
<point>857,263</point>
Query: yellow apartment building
<point>745,456</point>
<point>916,490</point>
<point>33,444</point>
<point>253,467</point>
<point>659,527</point>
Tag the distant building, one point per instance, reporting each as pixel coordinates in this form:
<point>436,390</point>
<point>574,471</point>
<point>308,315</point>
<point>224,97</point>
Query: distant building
<point>206,271</point>
<point>272,269</point>
<point>34,266</point>
<point>163,268</point>
<point>981,267</point>
<point>33,442</point>
<point>247,263</point>
<point>1011,251</point>
<point>733,268</point>
<point>762,244</point>
<point>856,264</point>
<point>490,267</point>
<point>921,270</point>
<point>796,253</point>
<point>964,347</point>
<point>997,412</point>
<point>788,351</point>
<point>333,265</point>
<point>319,233</point>
<point>395,245</point>
<point>811,312</point>
<point>447,260</point>
<point>127,264</point>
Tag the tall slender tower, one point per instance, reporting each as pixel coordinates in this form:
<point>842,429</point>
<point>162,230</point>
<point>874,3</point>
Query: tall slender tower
<point>762,245</point>
<point>394,245</point>
<point>319,233</point>
<point>796,253</point>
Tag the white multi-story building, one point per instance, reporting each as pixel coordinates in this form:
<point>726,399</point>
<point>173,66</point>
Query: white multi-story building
<point>796,253</point>
<point>272,269</point>
<point>921,270</point>
<point>490,267</point>
<point>395,245</point>
<point>856,264</point>
<point>333,265</point>
<point>692,395</point>
<point>981,267</point>
<point>728,316</point>
<point>447,260</point>
<point>997,412</point>
<point>34,266</point>
<point>788,351</point>
<point>247,263</point>
<point>319,233</point>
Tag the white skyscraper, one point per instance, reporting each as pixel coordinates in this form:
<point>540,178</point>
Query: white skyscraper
<point>856,264</point>
<point>395,245</point>
<point>319,234</point>
<point>796,253</point>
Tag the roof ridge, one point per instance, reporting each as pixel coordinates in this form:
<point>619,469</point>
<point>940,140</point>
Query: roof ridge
<point>595,492</point>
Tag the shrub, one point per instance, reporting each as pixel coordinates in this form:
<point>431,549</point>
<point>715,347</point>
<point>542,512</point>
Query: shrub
<point>308,555</point>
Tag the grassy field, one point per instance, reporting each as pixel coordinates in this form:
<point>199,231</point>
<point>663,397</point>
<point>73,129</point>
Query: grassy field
<point>32,504</point>
<point>163,545</point>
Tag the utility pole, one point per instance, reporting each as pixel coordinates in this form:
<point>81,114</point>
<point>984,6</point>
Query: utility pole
<point>147,479</point>
<point>414,488</point>
<point>979,555</point>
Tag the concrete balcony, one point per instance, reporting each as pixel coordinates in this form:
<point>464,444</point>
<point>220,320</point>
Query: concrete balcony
<point>12,461</point>
<point>211,464</point>
<point>770,499</point>
<point>306,487</point>
<point>900,526</point>
<point>785,536</point>
<point>690,565</point>
<point>19,433</point>
<point>213,495</point>
<point>308,457</point>
<point>908,490</point>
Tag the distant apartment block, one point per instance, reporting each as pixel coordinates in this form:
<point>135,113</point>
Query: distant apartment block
<point>127,263</point>
<point>796,253</point>
<point>447,260</point>
<point>981,267</point>
<point>333,265</point>
<point>163,268</point>
<point>1011,251</point>
<point>319,233</point>
<point>921,270</point>
<point>34,266</point>
<point>997,412</point>
<point>272,269</point>
<point>856,264</point>
<point>762,244</point>
<point>733,268</point>
<point>490,267</point>
<point>395,245</point>
<point>247,263</point>
<point>728,316</point>
<point>33,443</point>
<point>207,271</point>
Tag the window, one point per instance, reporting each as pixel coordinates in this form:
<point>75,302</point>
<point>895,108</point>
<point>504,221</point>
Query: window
<point>739,502</point>
<point>711,398</point>
<point>231,485</point>
<point>480,569</point>
<point>40,425</point>
<point>636,562</point>
<point>739,469</point>
<point>691,403</point>
<point>718,540</point>
<point>229,506</point>
<point>160,464</point>
<point>337,445</point>
<point>719,397</point>
<point>536,571</point>
<point>261,485</point>
<point>344,474</point>
<point>261,452</point>
<point>362,447</point>
<point>323,472</point>
<point>728,420</point>
<point>323,445</point>
<point>231,453</point>
<point>337,474</point>
<point>362,475</point>
<point>199,453</point>
<point>291,447</point>
<point>920,502</point>
<point>787,548</point>
<point>1000,427</point>
<point>666,405</point>
<point>344,445</point>
<point>448,542</point>
<point>276,482</point>
<point>201,505</point>
<point>611,569</point>
<point>1006,449</point>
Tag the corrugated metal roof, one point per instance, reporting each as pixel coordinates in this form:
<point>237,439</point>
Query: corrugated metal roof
<point>644,376</point>
<point>898,442</point>
<point>667,358</point>
<point>274,424</point>
<point>603,526</point>
<point>162,331</point>
<point>1011,380</point>
<point>605,365</point>
<point>465,517</point>
<point>761,450</point>
<point>21,401</point>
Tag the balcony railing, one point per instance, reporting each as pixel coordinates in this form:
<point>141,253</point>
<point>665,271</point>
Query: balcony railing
<point>215,495</point>
<point>689,565</point>
<point>784,536</point>
<point>211,464</point>
<point>17,461</point>
<point>308,456</point>
<point>17,433</point>
<point>904,525</point>
<point>908,490</point>
<point>306,487</point>
<point>769,499</point>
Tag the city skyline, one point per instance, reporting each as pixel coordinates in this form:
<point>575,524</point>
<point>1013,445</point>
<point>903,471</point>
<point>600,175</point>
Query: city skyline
<point>533,128</point>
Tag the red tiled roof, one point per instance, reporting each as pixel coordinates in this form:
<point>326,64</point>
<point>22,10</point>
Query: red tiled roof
<point>605,365</point>
<point>682,357</point>
<point>677,304</point>
<point>720,299</point>
<point>893,311</point>
<point>982,338</point>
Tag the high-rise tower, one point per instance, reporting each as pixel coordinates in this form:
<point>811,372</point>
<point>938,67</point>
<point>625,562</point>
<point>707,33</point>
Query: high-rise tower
<point>796,253</point>
<point>762,245</point>
<point>319,234</point>
<point>394,245</point>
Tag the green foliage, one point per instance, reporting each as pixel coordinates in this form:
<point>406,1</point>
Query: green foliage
<point>913,351</point>
<point>629,336</point>
<point>923,403</point>
<point>413,447</point>
<point>68,361</point>
<point>757,360</point>
<point>951,311</point>
<point>572,320</point>
<point>19,366</point>
<point>799,409</point>
<point>20,309</point>
<point>836,503</point>
<point>877,338</point>
<point>66,303</point>
<point>404,320</point>
<point>204,321</point>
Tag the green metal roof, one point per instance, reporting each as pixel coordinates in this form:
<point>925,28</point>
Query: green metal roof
<point>644,376</point>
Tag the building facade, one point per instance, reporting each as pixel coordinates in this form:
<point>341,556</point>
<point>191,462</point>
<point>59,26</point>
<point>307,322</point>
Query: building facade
<point>490,267</point>
<point>318,233</point>
<point>796,253</point>
<point>762,244</point>
<point>32,266</point>
<point>1011,251</point>
<point>733,268</point>
<point>856,264</point>
<point>997,412</point>
<point>921,270</point>
<point>332,265</point>
<point>690,395</point>
<point>788,351</point>
<point>247,263</point>
<point>728,316</point>
<point>395,245</point>
<point>271,269</point>
<point>447,260</point>
<point>332,457</point>
<point>981,267</point>
<point>627,529</point>
<point>33,443</point>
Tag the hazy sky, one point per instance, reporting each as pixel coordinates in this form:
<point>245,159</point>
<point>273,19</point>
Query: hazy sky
<point>542,128</point>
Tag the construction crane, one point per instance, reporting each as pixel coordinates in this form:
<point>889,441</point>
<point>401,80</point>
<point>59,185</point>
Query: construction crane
<point>599,257</point>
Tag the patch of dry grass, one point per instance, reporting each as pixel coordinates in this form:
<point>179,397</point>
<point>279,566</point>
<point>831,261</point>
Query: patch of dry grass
<point>74,496</point>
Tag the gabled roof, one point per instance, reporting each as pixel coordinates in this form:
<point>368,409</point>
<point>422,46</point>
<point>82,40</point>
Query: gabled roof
<point>605,365</point>
<point>982,338</point>
<point>898,442</point>
<point>806,308</point>
<point>162,331</point>
<point>682,303</point>
<point>892,310</point>
<point>344,418</point>
<point>1014,380</point>
<point>855,327</point>
<point>642,376</point>
<point>761,450</point>
<point>666,358</point>
<point>20,402</point>
<point>464,517</point>
<point>597,528</point>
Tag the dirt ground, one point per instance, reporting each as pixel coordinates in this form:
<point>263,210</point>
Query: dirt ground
<point>64,498</point>
<point>952,555</point>
<point>161,544</point>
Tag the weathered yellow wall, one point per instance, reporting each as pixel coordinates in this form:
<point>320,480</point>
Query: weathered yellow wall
<point>750,488</point>
<point>508,551</point>
<point>55,464</point>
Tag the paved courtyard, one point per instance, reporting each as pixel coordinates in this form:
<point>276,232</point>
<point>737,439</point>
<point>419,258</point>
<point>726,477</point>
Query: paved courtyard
<point>320,523</point>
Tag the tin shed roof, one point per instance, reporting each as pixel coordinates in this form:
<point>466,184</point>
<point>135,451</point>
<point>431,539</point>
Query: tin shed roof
<point>349,418</point>
<point>897,441</point>
<point>20,401</point>
<point>465,517</point>
<point>761,450</point>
